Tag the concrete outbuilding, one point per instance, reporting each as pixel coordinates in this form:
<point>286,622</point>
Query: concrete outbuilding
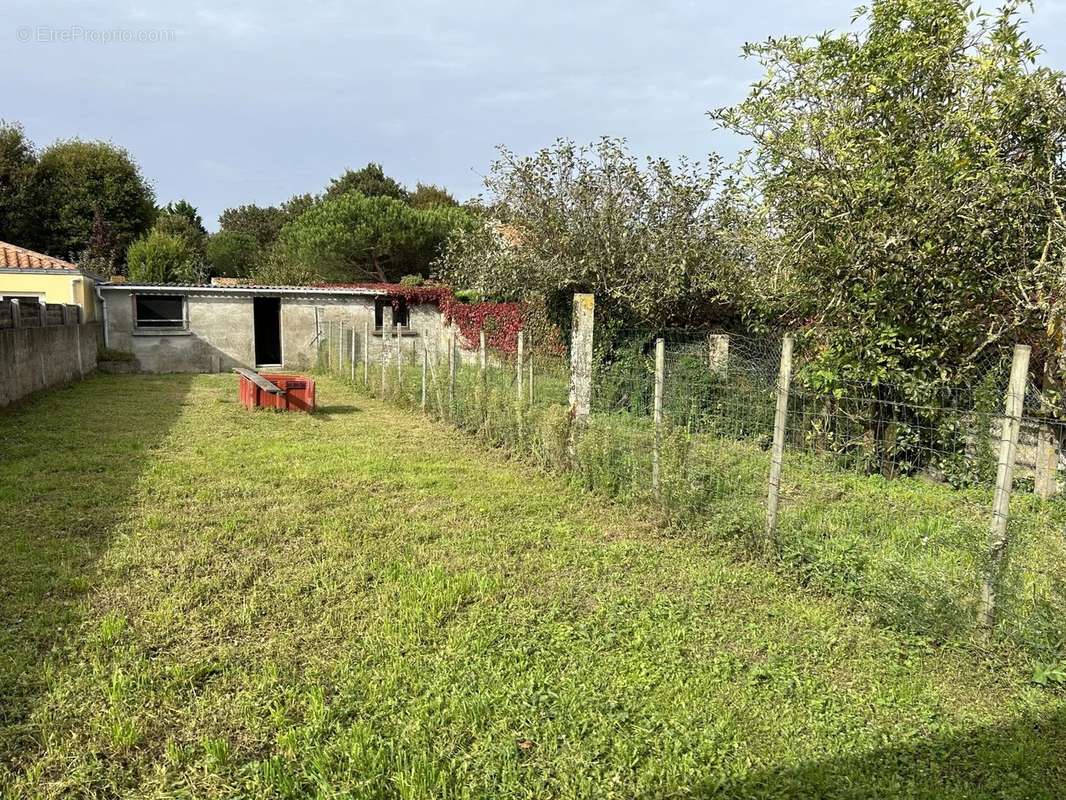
<point>211,328</point>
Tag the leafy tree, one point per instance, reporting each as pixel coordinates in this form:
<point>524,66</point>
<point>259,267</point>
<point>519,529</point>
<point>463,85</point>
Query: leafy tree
<point>358,238</point>
<point>370,181</point>
<point>427,195</point>
<point>100,257</point>
<point>908,173</point>
<point>182,219</point>
<point>163,258</point>
<point>264,223</point>
<point>17,162</point>
<point>233,254</point>
<point>72,182</point>
<point>648,238</point>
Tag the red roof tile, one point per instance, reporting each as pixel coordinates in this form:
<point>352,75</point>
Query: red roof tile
<point>15,257</point>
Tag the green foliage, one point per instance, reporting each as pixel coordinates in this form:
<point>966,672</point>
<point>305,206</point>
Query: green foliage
<point>163,258</point>
<point>181,219</point>
<point>233,254</point>
<point>427,195</point>
<point>72,182</point>
<point>18,159</point>
<point>264,223</point>
<point>357,238</point>
<point>907,174</point>
<point>370,181</point>
<point>650,239</point>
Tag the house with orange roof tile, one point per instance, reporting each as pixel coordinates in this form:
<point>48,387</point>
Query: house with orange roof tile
<point>27,275</point>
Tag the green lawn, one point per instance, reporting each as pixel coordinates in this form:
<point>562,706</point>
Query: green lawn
<point>200,601</point>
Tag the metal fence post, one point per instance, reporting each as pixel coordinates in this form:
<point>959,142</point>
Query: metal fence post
<point>1008,448</point>
<point>784,378</point>
<point>531,381</point>
<point>329,343</point>
<point>656,452</point>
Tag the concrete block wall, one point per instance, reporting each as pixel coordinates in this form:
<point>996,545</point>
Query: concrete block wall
<point>37,358</point>
<point>220,335</point>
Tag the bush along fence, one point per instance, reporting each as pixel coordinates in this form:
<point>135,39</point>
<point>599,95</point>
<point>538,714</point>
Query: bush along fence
<point>41,346</point>
<point>939,516</point>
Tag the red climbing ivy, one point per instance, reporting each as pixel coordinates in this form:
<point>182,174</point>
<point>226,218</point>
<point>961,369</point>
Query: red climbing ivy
<point>500,321</point>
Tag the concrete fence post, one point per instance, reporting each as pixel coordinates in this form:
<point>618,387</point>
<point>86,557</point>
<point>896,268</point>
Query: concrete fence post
<point>366,354</point>
<point>520,370</point>
<point>582,325</point>
<point>581,340</point>
<point>657,415</point>
<point>384,361</point>
<point>483,379</point>
<point>777,452</point>
<point>1008,450</point>
<point>718,353</point>
<point>1046,479</point>
<point>340,347</point>
<point>451,376</point>
<point>351,353</point>
<point>399,360</point>
<point>425,370</point>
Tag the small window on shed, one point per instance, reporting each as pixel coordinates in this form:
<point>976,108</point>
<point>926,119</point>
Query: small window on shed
<point>160,311</point>
<point>399,311</point>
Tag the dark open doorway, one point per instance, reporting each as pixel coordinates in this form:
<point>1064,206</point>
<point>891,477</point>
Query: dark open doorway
<point>267,311</point>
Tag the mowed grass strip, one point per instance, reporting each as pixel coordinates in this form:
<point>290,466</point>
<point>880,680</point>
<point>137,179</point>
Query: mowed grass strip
<point>201,601</point>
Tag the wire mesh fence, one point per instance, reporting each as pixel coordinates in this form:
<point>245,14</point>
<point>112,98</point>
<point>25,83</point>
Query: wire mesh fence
<point>885,494</point>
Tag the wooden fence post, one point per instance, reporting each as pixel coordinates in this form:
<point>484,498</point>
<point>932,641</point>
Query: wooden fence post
<point>425,369</point>
<point>784,378</point>
<point>657,415</point>
<point>1008,449</point>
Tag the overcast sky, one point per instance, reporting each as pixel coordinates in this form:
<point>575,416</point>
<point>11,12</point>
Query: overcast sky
<point>236,102</point>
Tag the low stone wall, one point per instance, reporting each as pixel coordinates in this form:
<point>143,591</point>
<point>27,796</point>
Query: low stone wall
<point>40,357</point>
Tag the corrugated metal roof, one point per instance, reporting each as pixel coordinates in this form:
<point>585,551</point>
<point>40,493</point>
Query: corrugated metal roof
<point>207,288</point>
